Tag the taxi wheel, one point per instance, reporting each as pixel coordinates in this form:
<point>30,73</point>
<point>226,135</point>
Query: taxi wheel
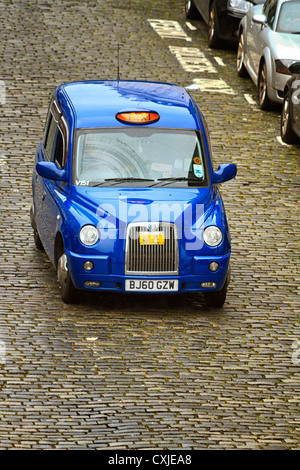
<point>37,240</point>
<point>216,298</point>
<point>36,237</point>
<point>68,291</point>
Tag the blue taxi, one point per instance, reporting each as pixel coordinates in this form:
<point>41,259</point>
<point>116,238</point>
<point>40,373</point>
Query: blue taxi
<point>125,198</point>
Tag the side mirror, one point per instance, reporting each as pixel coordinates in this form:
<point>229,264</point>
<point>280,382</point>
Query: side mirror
<point>51,171</point>
<point>295,68</point>
<point>259,19</point>
<point>224,173</point>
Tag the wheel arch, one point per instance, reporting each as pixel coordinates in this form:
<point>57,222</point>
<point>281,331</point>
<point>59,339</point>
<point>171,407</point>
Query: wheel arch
<point>59,247</point>
<point>286,89</point>
<point>266,59</point>
<point>242,27</point>
<point>209,6</point>
<point>207,10</point>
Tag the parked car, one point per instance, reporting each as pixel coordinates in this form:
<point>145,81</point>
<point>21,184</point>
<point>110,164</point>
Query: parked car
<point>221,16</point>
<point>290,113</point>
<point>125,198</point>
<point>269,42</point>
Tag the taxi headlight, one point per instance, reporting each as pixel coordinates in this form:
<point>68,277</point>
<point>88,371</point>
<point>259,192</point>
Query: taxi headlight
<point>212,235</point>
<point>89,235</point>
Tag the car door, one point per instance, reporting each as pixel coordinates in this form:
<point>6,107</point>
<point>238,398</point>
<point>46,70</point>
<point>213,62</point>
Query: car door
<point>55,150</point>
<point>44,153</point>
<point>258,34</point>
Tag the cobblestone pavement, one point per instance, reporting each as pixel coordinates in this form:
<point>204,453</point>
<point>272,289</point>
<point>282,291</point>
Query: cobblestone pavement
<point>146,372</point>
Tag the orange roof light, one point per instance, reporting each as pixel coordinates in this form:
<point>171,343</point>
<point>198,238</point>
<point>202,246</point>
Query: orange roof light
<point>138,117</point>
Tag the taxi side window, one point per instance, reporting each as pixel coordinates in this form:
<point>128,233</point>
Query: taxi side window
<point>54,143</point>
<point>50,137</point>
<point>58,156</point>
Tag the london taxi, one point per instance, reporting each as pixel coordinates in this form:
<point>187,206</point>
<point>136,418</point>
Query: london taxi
<point>125,198</point>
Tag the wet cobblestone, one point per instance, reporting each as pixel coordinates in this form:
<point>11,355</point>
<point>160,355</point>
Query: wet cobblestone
<point>140,372</point>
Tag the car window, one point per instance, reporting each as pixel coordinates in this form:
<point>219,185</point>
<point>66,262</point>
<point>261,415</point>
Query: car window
<point>271,12</point>
<point>289,18</point>
<point>55,141</point>
<point>266,7</point>
<point>50,137</point>
<point>58,156</point>
<point>153,154</point>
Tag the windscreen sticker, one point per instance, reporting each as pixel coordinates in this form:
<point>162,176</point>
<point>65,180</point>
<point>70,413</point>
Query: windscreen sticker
<point>197,160</point>
<point>198,170</point>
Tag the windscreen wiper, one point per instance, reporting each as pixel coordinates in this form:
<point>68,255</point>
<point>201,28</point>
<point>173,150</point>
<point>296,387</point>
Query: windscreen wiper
<point>121,180</point>
<point>128,179</point>
<point>180,178</point>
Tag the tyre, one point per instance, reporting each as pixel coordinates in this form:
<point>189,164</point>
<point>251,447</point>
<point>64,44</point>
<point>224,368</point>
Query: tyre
<point>68,292</point>
<point>217,298</point>
<point>263,98</point>
<point>213,33</point>
<point>191,11</point>
<point>37,240</point>
<point>287,134</point>
<point>240,59</point>
<point>36,237</point>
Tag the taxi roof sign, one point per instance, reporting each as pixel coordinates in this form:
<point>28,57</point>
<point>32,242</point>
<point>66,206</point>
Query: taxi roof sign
<point>138,117</point>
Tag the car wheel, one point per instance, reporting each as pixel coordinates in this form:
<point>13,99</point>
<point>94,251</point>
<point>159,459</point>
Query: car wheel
<point>37,240</point>
<point>213,33</point>
<point>240,59</point>
<point>36,237</point>
<point>217,298</point>
<point>263,98</point>
<point>68,291</point>
<point>191,11</point>
<point>287,134</point>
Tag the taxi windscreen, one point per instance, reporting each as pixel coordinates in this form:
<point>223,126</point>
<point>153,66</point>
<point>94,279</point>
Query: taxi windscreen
<point>139,157</point>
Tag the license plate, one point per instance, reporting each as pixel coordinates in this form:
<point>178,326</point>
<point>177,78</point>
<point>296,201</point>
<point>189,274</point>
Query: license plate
<point>152,238</point>
<point>155,285</point>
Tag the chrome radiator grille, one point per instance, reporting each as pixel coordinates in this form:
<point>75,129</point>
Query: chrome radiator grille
<point>151,259</point>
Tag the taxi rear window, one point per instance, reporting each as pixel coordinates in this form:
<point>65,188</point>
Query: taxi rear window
<point>140,157</point>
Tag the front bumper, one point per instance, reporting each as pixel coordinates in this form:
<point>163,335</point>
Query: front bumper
<point>102,279</point>
<point>276,93</point>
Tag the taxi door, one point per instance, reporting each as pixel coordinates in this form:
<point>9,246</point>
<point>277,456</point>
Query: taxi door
<point>55,149</point>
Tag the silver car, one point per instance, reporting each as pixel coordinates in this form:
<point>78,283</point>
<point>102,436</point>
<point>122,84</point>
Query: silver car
<point>269,43</point>
<point>221,16</point>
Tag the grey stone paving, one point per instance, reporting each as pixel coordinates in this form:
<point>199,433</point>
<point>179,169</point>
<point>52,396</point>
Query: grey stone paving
<point>138,372</point>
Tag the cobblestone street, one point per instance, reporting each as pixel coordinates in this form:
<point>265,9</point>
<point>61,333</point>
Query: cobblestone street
<point>146,371</point>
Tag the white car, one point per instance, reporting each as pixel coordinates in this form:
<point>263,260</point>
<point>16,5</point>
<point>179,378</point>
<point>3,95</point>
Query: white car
<point>269,43</point>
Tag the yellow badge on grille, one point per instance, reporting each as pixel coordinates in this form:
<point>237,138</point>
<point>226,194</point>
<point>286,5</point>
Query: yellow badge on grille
<point>152,238</point>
